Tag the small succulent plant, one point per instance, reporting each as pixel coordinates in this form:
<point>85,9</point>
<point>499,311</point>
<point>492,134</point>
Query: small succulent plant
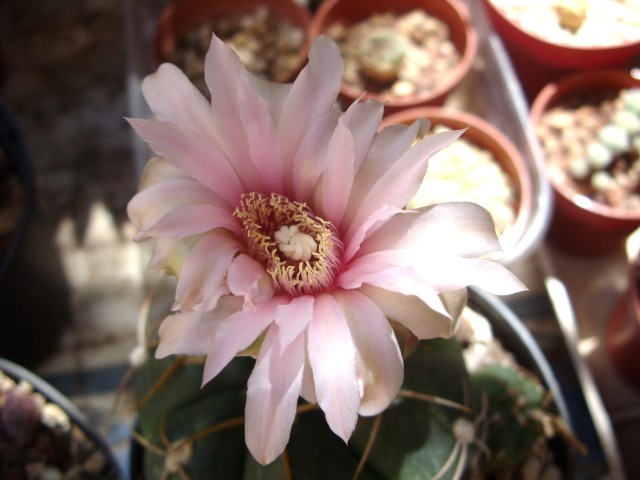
<point>616,147</point>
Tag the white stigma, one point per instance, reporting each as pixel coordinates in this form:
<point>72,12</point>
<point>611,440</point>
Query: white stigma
<point>295,244</point>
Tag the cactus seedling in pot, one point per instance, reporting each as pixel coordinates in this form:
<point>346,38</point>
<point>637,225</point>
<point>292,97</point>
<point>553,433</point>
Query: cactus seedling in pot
<point>610,164</point>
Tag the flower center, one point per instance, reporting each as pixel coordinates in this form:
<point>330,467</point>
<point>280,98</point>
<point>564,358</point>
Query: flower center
<point>300,251</point>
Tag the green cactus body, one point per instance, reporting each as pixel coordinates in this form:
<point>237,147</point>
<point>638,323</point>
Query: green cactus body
<point>415,438</point>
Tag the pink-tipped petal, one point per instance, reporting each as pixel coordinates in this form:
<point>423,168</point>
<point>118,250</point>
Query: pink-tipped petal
<point>364,125</point>
<point>197,157</point>
<point>191,333</point>
<point>173,98</point>
<point>151,204</point>
<point>314,92</point>
<point>236,333</point>
<point>201,281</point>
<point>231,98</point>
<point>189,220</point>
<point>337,179</point>
<point>311,156</point>
<point>294,317</point>
<point>247,278</point>
<point>272,396</point>
<point>397,185</point>
<point>380,366</point>
<point>333,360</point>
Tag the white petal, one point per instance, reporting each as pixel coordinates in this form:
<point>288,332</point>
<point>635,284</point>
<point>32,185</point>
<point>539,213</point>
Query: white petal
<point>192,333</point>
<point>294,317</point>
<point>173,98</point>
<point>312,95</point>
<point>414,314</point>
<point>231,96</point>
<point>399,183</point>
<point>463,229</point>
<point>380,365</point>
<point>235,334</point>
<point>272,396</point>
<point>202,279</point>
<point>333,361</point>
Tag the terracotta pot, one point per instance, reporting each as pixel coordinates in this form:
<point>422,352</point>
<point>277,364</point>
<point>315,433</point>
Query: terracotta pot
<point>580,225</point>
<point>556,55</point>
<point>452,12</point>
<point>486,136</point>
<point>183,15</point>
<point>622,335</point>
<point>539,61</point>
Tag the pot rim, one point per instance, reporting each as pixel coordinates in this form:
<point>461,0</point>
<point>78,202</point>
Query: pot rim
<point>468,54</point>
<point>165,36</point>
<point>576,49</point>
<point>53,395</point>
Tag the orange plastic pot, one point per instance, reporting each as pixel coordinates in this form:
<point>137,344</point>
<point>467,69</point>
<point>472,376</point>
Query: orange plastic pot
<point>580,225</point>
<point>182,15</point>
<point>487,137</point>
<point>452,12</point>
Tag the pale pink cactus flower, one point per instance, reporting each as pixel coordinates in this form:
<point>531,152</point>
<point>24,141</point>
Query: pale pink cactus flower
<point>283,219</point>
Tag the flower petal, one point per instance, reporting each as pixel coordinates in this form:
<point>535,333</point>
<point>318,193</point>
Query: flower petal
<point>463,229</point>
<point>191,333</point>
<point>231,99</point>
<point>380,365</point>
<point>399,183</point>
<point>294,317</point>
<point>311,156</point>
<point>247,278</point>
<point>375,270</point>
<point>314,92</point>
<point>198,157</point>
<point>173,98</point>
<point>410,311</point>
<point>272,396</point>
<point>201,281</point>
<point>151,204</point>
<point>236,333</point>
<point>333,361</point>
<point>337,178</point>
<point>368,226</point>
<point>189,220</point>
<point>439,270</point>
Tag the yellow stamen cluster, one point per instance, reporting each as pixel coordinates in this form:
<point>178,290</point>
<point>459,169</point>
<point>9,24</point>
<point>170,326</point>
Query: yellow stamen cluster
<point>268,241</point>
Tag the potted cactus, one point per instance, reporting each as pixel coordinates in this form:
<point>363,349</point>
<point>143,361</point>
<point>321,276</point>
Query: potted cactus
<point>588,128</point>
<point>405,53</point>
<point>270,36</point>
<point>466,407</point>
<point>551,39</point>
<point>43,435</point>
